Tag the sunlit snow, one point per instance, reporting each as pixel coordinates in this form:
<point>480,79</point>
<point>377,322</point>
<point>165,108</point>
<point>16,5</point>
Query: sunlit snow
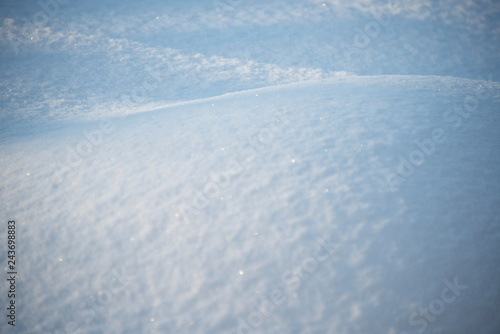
<point>251,167</point>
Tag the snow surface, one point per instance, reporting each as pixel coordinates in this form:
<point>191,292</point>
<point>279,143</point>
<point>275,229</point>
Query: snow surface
<point>183,168</point>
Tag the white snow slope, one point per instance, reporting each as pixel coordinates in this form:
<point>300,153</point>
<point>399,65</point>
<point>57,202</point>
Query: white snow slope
<point>205,184</point>
<point>213,205</point>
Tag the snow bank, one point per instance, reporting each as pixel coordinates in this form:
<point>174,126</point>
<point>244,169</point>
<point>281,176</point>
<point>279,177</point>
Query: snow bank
<point>349,205</point>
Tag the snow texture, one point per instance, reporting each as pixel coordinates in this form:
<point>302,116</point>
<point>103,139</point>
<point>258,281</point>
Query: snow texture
<point>251,167</point>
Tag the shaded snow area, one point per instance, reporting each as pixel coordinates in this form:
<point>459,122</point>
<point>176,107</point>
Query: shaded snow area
<point>250,167</point>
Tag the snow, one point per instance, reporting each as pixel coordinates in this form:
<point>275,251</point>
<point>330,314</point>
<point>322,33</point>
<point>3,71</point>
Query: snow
<point>187,169</point>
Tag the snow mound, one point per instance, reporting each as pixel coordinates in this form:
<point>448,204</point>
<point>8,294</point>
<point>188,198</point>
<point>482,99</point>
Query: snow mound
<point>334,206</point>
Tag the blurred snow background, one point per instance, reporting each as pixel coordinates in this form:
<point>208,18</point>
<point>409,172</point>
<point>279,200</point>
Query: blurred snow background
<point>185,167</point>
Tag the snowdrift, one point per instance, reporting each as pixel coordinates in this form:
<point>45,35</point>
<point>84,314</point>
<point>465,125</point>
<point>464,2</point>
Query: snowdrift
<point>349,205</point>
